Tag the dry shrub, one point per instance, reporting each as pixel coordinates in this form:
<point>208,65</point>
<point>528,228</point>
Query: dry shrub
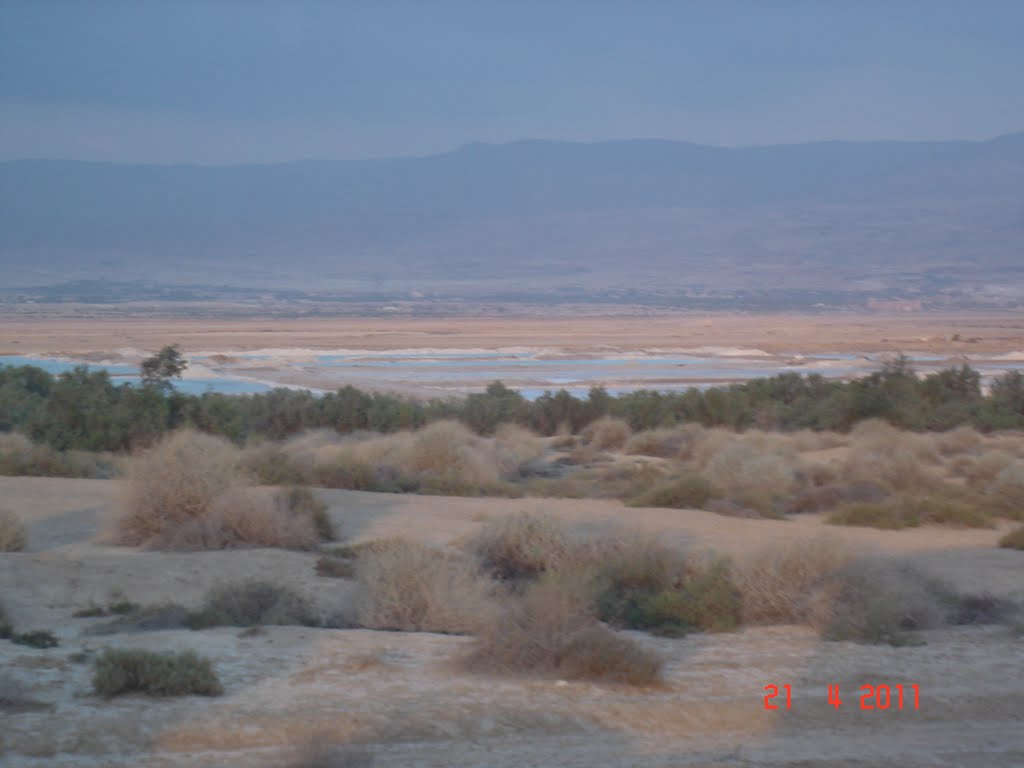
<point>517,445</point>
<point>551,629</point>
<point>608,433</point>
<point>826,497</point>
<point>704,444</point>
<point>406,585</point>
<point>808,441</point>
<point>20,456</point>
<point>449,449</point>
<point>958,441</point>
<point>663,443</point>
<point>270,463</point>
<point>1006,496</point>
<point>744,473</point>
<point>893,463</point>
<point>619,480</point>
<point>982,471</point>
<point>598,653</point>
<point>877,600</point>
<point>775,583</point>
<point>1014,539</point>
<point>13,536</point>
<point>780,443</point>
<point>1011,442</point>
<point>878,435</point>
<point>186,493</point>
<point>520,546</point>
<point>300,501</point>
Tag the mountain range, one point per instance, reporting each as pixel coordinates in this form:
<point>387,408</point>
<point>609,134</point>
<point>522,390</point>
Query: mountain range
<point>644,221</point>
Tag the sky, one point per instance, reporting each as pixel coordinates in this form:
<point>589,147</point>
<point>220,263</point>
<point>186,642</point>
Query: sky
<point>170,81</point>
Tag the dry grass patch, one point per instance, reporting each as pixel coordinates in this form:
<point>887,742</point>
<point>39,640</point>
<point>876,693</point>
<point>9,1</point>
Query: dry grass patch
<point>406,585</point>
<point>13,536</point>
<point>187,493</point>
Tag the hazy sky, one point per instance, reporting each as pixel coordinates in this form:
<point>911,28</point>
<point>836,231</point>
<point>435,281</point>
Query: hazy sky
<point>210,81</point>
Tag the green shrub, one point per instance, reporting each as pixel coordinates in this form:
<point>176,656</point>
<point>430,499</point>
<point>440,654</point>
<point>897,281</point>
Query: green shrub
<point>705,599</point>
<point>40,638</point>
<point>647,585</point>
<point>687,491</point>
<point>122,671</point>
<point>13,537</point>
<point>252,603</point>
<point>950,506</point>
<point>1014,539</point>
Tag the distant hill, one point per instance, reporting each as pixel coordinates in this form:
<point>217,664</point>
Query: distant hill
<point>644,221</point>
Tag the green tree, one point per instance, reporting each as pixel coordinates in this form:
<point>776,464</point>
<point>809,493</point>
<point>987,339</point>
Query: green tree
<point>158,370</point>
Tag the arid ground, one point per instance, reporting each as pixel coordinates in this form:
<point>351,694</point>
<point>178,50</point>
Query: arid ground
<point>92,330</point>
<point>400,699</point>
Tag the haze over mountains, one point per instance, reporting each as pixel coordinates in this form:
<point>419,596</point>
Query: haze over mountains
<point>657,222</point>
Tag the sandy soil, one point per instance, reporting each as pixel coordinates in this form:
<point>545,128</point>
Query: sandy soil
<point>93,332</point>
<point>400,699</point>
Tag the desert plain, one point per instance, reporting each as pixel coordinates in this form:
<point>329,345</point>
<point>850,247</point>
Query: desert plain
<point>338,696</point>
<point>401,699</point>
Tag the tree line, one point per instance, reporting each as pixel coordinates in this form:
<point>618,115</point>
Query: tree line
<point>84,409</point>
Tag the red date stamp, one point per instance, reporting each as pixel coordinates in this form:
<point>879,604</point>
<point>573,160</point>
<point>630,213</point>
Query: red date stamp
<point>871,696</point>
